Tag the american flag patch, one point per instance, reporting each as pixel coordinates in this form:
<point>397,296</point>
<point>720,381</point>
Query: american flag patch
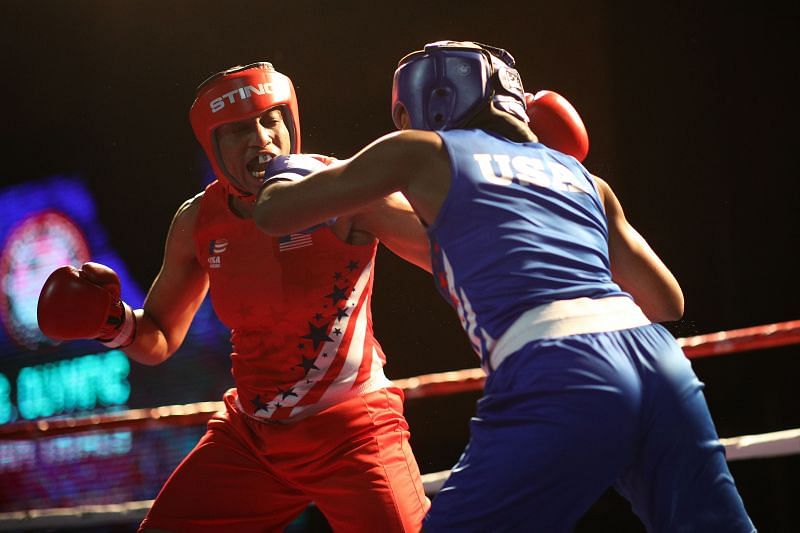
<point>217,246</point>
<point>294,241</point>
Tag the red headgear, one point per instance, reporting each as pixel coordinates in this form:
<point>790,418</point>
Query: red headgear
<point>236,94</point>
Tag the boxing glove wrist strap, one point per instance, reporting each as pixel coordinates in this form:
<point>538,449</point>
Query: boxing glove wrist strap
<point>127,332</point>
<point>284,176</point>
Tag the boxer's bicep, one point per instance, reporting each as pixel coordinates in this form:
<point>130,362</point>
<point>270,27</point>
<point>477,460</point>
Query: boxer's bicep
<point>636,268</point>
<point>382,168</point>
<point>393,221</point>
<point>178,290</point>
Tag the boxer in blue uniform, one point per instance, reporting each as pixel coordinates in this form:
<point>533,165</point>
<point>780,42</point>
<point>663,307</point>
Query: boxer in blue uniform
<point>559,296</point>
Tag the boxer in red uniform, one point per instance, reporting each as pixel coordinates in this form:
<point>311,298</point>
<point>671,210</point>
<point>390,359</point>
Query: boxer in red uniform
<point>312,416</point>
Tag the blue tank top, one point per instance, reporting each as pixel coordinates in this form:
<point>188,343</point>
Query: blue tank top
<point>522,225</point>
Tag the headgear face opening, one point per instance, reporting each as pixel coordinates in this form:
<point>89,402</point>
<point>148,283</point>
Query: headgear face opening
<point>443,86</point>
<point>236,94</point>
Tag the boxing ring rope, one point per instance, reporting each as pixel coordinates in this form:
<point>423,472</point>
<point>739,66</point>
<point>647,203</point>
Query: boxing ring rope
<point>775,444</point>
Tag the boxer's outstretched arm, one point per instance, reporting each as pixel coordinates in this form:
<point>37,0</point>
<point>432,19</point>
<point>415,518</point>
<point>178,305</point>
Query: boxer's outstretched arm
<point>411,162</point>
<point>175,295</point>
<point>636,267</point>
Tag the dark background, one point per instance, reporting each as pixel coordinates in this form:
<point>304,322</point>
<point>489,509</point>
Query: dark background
<point>691,111</point>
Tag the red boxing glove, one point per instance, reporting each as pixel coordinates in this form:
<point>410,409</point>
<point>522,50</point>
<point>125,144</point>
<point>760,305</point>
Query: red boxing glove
<point>85,304</point>
<point>557,124</point>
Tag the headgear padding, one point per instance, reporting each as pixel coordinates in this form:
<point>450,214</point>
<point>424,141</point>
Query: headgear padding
<point>236,94</point>
<point>443,86</point>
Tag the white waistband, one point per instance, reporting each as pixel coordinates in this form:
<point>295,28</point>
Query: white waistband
<point>567,317</point>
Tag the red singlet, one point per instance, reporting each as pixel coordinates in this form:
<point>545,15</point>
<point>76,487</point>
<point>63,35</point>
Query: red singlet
<point>298,307</point>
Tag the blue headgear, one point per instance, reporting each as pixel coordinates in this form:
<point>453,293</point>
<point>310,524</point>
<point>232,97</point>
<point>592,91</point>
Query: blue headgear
<point>446,84</point>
